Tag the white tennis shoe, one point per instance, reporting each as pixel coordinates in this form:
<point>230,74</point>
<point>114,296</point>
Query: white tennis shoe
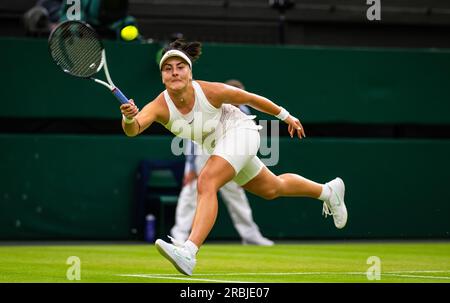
<point>183,260</point>
<point>335,206</point>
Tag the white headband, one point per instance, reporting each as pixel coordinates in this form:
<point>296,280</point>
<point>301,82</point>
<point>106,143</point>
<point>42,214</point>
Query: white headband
<point>174,53</point>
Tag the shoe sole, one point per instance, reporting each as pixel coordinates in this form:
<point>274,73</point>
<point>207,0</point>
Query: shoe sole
<point>343,203</point>
<point>160,247</point>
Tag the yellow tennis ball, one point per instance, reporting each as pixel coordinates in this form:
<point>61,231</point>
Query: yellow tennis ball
<point>129,33</point>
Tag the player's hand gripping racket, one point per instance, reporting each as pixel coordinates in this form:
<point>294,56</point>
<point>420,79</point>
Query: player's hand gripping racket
<point>77,49</point>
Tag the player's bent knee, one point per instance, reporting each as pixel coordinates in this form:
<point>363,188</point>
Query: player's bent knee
<point>269,194</point>
<point>205,184</point>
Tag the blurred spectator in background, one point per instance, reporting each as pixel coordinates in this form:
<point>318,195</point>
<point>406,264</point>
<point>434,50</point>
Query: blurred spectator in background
<point>108,17</point>
<point>232,194</point>
<point>42,18</point>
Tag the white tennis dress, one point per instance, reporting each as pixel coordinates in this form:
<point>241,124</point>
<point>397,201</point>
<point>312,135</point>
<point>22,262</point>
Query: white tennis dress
<point>225,132</point>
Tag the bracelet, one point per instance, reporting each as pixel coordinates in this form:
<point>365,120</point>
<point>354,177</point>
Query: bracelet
<point>283,115</point>
<point>127,120</point>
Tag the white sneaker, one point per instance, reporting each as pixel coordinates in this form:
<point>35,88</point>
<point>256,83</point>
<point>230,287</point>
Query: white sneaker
<point>183,260</point>
<point>260,241</point>
<point>336,206</point>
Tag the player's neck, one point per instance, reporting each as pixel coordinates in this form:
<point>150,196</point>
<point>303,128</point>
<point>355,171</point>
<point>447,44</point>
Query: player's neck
<point>183,97</point>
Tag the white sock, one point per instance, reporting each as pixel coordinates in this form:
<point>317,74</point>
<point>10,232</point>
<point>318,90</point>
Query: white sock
<point>191,247</point>
<point>326,193</point>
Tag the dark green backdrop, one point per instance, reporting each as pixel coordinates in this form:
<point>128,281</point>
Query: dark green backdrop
<point>80,187</point>
<point>318,84</point>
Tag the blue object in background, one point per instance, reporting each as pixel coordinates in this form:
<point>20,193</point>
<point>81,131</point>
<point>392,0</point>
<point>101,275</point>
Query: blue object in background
<point>150,228</point>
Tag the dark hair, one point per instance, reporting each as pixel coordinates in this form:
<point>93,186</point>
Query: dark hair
<point>192,49</point>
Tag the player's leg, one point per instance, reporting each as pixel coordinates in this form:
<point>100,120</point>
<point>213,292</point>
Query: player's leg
<point>187,202</point>
<point>184,212</point>
<point>213,176</point>
<point>270,186</point>
<point>241,214</point>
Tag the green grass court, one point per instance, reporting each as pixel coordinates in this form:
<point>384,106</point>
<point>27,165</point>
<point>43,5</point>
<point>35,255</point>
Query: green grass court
<point>401,262</point>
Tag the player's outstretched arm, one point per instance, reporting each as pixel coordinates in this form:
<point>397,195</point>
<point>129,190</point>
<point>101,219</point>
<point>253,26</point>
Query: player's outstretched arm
<point>129,123</point>
<point>222,93</point>
<point>135,122</point>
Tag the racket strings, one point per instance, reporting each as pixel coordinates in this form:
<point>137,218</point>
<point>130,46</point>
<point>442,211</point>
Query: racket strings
<point>76,48</point>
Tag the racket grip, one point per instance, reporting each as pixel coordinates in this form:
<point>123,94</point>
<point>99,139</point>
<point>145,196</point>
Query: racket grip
<point>119,95</point>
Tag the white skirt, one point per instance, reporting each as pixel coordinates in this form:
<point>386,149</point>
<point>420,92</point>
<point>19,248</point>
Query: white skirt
<point>239,147</point>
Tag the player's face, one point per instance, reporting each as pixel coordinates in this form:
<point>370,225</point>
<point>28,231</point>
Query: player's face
<point>176,73</point>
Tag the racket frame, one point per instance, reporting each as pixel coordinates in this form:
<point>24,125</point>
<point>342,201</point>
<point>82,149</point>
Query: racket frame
<point>109,84</point>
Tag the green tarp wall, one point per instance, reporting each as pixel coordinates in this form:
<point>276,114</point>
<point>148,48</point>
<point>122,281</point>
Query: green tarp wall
<point>58,186</point>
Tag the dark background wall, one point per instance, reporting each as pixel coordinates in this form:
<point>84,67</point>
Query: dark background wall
<point>81,187</point>
<point>357,85</point>
<point>68,172</point>
<point>413,23</point>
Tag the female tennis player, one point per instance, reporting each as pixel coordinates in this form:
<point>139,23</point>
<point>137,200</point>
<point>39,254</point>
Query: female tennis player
<point>203,111</point>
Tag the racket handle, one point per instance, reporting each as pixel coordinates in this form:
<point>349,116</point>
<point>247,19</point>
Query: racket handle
<point>119,95</point>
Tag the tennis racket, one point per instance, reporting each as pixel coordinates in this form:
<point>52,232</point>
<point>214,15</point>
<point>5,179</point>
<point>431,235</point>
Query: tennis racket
<point>77,49</point>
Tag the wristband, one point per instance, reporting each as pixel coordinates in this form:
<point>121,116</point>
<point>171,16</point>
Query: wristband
<point>283,115</point>
<point>127,120</point>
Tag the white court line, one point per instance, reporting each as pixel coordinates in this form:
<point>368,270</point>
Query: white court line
<point>415,276</point>
<point>263,274</point>
<point>181,278</point>
<point>393,273</point>
<point>305,273</point>
<point>418,271</point>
